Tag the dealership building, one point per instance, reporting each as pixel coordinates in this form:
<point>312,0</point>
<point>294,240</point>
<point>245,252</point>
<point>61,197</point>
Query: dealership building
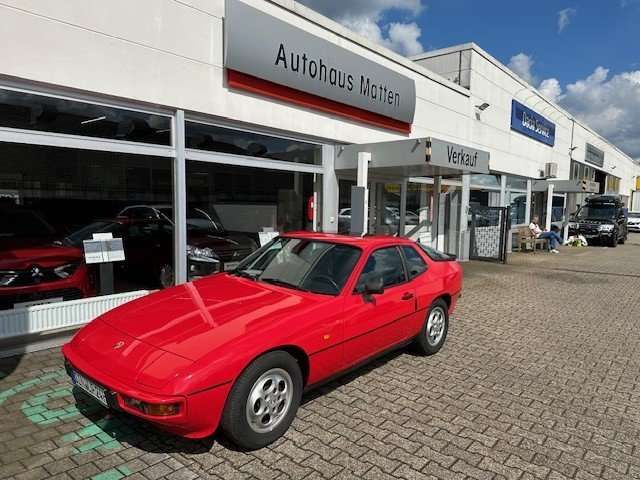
<point>195,130</point>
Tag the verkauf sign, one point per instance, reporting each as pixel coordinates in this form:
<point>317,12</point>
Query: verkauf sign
<point>594,156</point>
<point>269,56</point>
<point>532,124</point>
<point>451,155</point>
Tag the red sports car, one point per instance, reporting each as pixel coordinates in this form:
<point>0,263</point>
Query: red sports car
<point>237,349</point>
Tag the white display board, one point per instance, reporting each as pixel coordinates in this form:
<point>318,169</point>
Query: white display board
<point>103,248</point>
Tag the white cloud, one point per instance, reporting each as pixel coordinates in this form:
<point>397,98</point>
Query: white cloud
<point>564,18</point>
<point>551,89</point>
<point>365,17</point>
<point>521,64</point>
<point>610,105</point>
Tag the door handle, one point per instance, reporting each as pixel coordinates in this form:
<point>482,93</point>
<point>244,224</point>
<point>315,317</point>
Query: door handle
<point>407,296</point>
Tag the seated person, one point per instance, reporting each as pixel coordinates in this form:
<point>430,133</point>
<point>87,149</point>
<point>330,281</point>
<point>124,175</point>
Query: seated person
<point>554,237</point>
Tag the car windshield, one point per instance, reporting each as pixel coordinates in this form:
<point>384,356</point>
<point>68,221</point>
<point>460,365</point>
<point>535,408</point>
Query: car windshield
<point>86,233</point>
<point>197,219</point>
<point>23,224</point>
<point>300,264</point>
<point>604,211</point>
<point>634,214</point>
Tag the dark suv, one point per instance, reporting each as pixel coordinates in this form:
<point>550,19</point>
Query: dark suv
<point>602,218</point>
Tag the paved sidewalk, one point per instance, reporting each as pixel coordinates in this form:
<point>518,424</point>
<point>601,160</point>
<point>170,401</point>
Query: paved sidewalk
<point>540,379</point>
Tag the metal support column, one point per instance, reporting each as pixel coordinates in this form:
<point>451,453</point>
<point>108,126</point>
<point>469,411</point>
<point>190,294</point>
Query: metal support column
<point>463,248</point>
<point>549,207</point>
<point>435,214</point>
<point>362,181</point>
<point>403,208</point>
<point>527,212</point>
<point>503,190</point>
<point>179,202</point>
<point>329,191</point>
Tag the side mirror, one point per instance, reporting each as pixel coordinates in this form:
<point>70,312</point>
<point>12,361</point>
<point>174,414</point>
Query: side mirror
<point>374,285</point>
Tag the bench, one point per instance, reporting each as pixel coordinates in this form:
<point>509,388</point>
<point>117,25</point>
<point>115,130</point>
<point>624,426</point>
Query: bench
<point>526,237</point>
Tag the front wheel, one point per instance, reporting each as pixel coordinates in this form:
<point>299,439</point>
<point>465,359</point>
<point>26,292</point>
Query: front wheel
<point>434,331</point>
<point>613,243</point>
<point>263,402</point>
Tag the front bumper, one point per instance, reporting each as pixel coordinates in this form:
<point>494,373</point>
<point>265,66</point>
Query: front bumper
<point>199,414</point>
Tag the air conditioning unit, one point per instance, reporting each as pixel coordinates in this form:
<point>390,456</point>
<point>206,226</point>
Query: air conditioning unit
<point>551,170</point>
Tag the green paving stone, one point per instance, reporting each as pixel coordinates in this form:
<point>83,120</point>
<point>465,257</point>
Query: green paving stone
<point>112,474</point>
<point>105,437</point>
<point>89,445</point>
<point>90,431</point>
<point>124,469</point>
<point>68,415</point>
<point>33,410</point>
<point>37,419</point>
<point>71,437</point>
<point>53,413</point>
<point>112,445</point>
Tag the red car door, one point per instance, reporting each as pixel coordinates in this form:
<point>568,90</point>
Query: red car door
<point>376,322</point>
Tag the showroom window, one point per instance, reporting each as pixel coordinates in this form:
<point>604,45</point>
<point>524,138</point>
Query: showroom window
<point>231,210</point>
<point>52,199</point>
<point>213,138</point>
<point>517,198</point>
<point>28,111</point>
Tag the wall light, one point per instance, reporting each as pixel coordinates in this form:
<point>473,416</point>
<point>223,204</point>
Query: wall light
<point>483,107</point>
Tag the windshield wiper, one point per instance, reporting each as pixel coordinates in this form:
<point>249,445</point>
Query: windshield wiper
<point>245,274</point>
<point>282,283</point>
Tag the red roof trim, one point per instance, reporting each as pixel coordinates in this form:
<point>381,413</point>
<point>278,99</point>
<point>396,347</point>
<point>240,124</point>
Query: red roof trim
<point>253,84</point>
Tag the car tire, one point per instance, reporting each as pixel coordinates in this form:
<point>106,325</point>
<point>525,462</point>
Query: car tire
<point>613,243</point>
<point>263,401</point>
<point>435,328</point>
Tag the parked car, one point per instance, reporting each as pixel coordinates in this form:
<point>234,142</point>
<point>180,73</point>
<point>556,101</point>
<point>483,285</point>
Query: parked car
<point>148,243</point>
<point>236,350</point>
<point>633,221</point>
<point>603,219</point>
<point>35,267</point>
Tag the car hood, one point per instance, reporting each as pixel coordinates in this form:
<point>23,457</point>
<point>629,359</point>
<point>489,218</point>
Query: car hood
<point>221,241</point>
<point>196,318</point>
<point>20,254</point>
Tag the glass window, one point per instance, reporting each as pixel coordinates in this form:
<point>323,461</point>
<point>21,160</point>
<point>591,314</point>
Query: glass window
<point>301,264</point>
<point>230,208</point>
<point>490,181</point>
<point>226,140</point>
<point>516,183</point>
<point>518,203</point>
<point>28,111</point>
<point>436,255</point>
<point>386,262</point>
<point>61,197</point>
<point>415,263</point>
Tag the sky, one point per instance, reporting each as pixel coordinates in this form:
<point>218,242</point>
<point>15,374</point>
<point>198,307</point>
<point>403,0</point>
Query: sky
<point>583,54</point>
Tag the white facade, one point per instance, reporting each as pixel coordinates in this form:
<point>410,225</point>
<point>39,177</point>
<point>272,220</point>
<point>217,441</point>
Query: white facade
<point>167,57</point>
<point>490,81</point>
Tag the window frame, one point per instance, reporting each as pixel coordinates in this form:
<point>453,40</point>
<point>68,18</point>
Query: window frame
<point>406,262</point>
<point>402,260</point>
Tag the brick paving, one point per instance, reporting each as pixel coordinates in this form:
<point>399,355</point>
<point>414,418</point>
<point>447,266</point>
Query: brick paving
<point>540,379</point>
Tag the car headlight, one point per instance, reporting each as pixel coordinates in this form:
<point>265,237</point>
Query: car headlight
<point>605,228</point>
<point>65,271</point>
<point>205,254</point>
<point>7,277</point>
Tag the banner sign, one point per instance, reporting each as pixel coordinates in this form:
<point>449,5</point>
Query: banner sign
<point>594,156</point>
<point>264,47</point>
<point>532,124</point>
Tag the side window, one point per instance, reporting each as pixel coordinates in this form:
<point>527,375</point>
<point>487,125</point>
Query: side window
<point>388,263</point>
<point>415,263</point>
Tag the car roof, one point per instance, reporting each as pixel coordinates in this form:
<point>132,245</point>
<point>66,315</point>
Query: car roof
<point>357,241</point>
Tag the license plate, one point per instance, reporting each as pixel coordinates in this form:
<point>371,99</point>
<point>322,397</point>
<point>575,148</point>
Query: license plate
<point>230,266</point>
<point>96,391</point>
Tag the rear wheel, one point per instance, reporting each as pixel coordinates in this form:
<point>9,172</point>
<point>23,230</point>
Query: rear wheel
<point>434,331</point>
<point>263,402</point>
<point>165,276</point>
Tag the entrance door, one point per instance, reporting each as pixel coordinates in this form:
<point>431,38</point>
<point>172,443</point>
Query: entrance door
<point>488,233</point>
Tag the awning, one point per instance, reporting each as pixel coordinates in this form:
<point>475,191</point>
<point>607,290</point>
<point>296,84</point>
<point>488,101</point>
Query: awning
<point>418,157</point>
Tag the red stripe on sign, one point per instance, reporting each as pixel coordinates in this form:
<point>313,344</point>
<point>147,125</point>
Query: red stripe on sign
<point>253,84</point>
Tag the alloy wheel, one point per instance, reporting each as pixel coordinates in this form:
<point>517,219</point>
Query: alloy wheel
<point>269,400</point>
